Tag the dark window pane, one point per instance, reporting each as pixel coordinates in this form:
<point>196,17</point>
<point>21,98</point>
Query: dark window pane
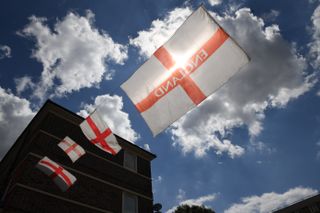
<point>130,161</point>
<point>130,204</point>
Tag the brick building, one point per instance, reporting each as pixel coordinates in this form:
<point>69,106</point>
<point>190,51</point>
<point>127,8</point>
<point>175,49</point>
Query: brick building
<point>105,183</point>
<point>309,205</point>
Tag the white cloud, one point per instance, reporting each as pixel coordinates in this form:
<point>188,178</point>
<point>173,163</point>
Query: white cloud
<point>5,51</point>
<point>160,31</point>
<point>146,147</point>
<point>315,44</point>
<point>111,109</point>
<point>214,2</point>
<point>275,75</point>
<point>271,16</point>
<point>15,114</point>
<point>74,54</point>
<point>197,201</point>
<point>181,195</point>
<point>158,179</point>
<point>318,152</point>
<point>313,1</point>
<point>189,141</point>
<point>270,201</point>
<point>318,93</point>
<point>23,84</point>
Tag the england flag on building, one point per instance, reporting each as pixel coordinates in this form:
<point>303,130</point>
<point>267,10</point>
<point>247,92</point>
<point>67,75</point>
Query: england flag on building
<point>198,59</point>
<point>98,132</point>
<point>57,173</point>
<point>71,148</point>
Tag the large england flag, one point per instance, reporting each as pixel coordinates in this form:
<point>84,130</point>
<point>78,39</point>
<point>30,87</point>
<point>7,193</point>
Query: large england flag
<point>98,132</point>
<point>198,59</point>
<point>57,173</point>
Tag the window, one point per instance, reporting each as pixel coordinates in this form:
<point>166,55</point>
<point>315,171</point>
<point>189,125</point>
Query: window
<point>129,203</point>
<point>130,161</point>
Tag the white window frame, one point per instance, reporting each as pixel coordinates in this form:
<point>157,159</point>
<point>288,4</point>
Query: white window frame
<point>135,169</point>
<point>135,198</point>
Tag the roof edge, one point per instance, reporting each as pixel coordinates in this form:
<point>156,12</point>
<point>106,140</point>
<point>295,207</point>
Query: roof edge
<point>152,155</point>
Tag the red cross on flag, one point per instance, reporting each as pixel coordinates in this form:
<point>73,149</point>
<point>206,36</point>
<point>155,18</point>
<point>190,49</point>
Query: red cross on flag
<point>98,132</point>
<point>71,148</point>
<point>198,59</point>
<point>57,173</point>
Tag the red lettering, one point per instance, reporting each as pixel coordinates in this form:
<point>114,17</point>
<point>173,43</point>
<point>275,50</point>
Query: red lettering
<point>189,86</point>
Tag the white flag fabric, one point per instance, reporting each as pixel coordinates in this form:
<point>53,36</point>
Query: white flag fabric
<point>198,59</point>
<point>71,148</point>
<point>98,132</point>
<point>57,173</point>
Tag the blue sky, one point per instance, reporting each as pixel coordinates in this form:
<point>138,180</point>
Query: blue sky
<point>252,146</point>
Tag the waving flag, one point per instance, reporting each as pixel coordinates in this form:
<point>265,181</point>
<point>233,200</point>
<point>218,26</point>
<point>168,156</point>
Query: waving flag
<point>60,176</point>
<point>198,59</point>
<point>71,148</point>
<point>97,131</point>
